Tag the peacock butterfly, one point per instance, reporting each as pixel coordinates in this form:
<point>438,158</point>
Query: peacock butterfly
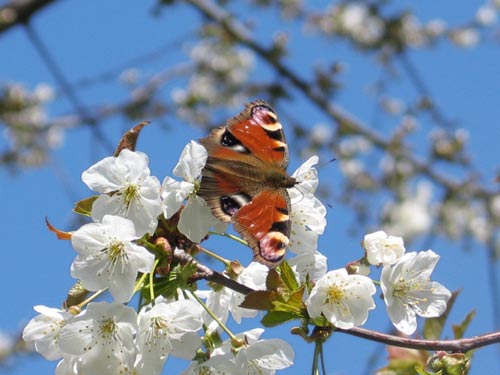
<point>244,180</point>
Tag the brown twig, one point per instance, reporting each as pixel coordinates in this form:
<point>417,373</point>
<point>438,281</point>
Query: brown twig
<point>458,345</point>
<point>203,272</point>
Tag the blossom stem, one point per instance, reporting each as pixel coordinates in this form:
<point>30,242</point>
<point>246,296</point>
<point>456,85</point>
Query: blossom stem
<point>216,256</point>
<point>214,317</point>
<point>151,281</point>
<point>231,236</point>
<point>140,282</point>
<point>318,348</point>
<point>92,297</point>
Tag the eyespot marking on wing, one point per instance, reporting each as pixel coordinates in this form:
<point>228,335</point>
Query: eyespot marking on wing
<point>231,204</point>
<point>230,141</point>
<point>272,246</point>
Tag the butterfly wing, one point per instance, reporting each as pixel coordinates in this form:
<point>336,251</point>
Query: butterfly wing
<point>260,132</point>
<point>264,223</point>
<point>244,180</point>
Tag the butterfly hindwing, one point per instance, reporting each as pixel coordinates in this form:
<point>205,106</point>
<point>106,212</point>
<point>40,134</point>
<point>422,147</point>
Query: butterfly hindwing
<point>265,224</point>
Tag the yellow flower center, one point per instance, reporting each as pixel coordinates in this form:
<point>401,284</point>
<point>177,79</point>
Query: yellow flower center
<point>116,250</point>
<point>335,294</point>
<point>107,328</point>
<point>130,193</point>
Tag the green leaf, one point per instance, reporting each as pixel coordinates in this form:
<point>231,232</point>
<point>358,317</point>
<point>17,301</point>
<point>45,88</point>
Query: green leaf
<point>320,322</point>
<point>292,303</point>
<point>459,329</point>
<point>259,300</point>
<point>285,307</point>
<point>288,276</point>
<point>297,297</point>
<point>84,207</point>
<point>433,327</point>
<point>274,318</point>
<point>178,278</point>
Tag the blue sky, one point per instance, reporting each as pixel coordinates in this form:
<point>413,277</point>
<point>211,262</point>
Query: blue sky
<point>86,42</point>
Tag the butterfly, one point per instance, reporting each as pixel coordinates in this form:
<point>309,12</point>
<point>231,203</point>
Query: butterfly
<point>245,181</point>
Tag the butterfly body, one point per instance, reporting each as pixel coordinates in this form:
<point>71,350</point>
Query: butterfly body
<point>245,180</point>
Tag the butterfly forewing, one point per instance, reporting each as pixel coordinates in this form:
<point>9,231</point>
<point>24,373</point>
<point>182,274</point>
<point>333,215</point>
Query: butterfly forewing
<point>260,131</point>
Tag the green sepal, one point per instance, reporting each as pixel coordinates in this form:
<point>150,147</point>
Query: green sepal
<point>211,339</point>
<point>459,329</point>
<point>76,295</point>
<point>178,278</point>
<point>420,370</point>
<point>84,207</point>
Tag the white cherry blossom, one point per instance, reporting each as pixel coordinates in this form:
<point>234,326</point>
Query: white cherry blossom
<point>383,249</point>
<point>257,356</point>
<point>308,213</point>
<point>189,167</point>
<point>167,328</point>
<point>126,188</point>
<point>305,264</point>
<point>343,299</point>
<point>44,330</point>
<point>102,337</point>
<point>107,257</point>
<point>408,290</point>
<point>196,217</point>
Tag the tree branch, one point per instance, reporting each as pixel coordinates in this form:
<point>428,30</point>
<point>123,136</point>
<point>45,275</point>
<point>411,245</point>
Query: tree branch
<point>457,345</point>
<point>19,12</point>
<point>210,275</point>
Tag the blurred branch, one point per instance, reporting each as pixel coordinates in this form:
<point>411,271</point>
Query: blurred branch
<point>19,12</point>
<point>113,72</point>
<point>137,99</point>
<point>345,120</point>
<point>65,86</point>
<point>421,87</point>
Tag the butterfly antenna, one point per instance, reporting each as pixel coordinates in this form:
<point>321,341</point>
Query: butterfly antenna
<point>326,163</point>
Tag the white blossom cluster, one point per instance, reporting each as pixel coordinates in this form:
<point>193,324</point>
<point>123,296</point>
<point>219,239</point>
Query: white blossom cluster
<point>24,116</point>
<point>365,26</point>
<point>345,299</point>
<point>413,209</point>
<point>113,338</point>
<point>220,70</point>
